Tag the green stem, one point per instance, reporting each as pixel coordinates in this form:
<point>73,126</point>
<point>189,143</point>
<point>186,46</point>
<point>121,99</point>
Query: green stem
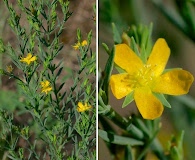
<point>147,146</point>
<point>156,147</point>
<point>113,115</point>
<point>158,150</point>
<point>121,121</point>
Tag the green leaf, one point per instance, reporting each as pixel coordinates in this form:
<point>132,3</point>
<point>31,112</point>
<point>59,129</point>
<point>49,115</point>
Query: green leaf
<point>163,100</point>
<point>89,37</point>
<point>112,138</point>
<point>141,125</point>
<point>107,71</point>
<point>2,47</point>
<point>170,69</point>
<point>144,38</point>
<point>135,131</point>
<point>176,147</point>
<point>119,69</point>
<point>79,37</point>
<point>116,34</point>
<point>134,46</point>
<point>106,48</point>
<point>128,99</point>
<point>149,41</point>
<point>134,33</point>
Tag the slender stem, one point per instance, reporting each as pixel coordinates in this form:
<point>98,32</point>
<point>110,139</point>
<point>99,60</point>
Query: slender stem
<point>158,150</point>
<point>147,146</point>
<point>113,115</point>
<point>121,121</point>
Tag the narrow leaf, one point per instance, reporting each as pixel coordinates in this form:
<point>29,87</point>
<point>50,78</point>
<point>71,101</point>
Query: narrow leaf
<point>106,48</point>
<point>128,99</point>
<point>167,70</point>
<point>163,100</point>
<point>59,71</point>
<point>107,71</point>
<point>120,70</point>
<point>112,138</point>
<point>61,86</point>
<point>116,34</point>
<point>134,46</point>
<point>140,124</point>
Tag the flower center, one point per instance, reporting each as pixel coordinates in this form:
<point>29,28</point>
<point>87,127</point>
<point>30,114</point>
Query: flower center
<point>144,76</point>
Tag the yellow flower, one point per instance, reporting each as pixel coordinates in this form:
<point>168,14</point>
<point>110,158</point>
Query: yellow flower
<point>144,79</point>
<point>84,43</point>
<point>83,108</point>
<point>78,44</point>
<point>30,58</point>
<point>45,86</point>
<point>9,68</point>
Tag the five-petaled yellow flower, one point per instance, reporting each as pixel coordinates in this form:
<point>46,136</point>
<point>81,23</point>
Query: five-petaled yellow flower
<point>142,79</point>
<point>29,58</point>
<point>83,107</point>
<point>45,86</point>
<point>78,44</point>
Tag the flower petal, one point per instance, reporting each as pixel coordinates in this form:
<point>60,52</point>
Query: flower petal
<point>120,85</point>
<point>148,105</point>
<point>127,59</point>
<point>33,58</point>
<point>175,82</point>
<point>159,56</point>
<point>29,56</point>
<point>82,108</point>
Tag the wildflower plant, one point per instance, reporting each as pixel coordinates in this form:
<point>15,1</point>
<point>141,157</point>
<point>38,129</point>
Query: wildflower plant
<point>52,126</point>
<point>144,79</point>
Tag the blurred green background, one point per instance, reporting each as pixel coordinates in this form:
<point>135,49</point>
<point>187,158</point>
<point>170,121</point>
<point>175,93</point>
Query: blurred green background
<point>173,20</point>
